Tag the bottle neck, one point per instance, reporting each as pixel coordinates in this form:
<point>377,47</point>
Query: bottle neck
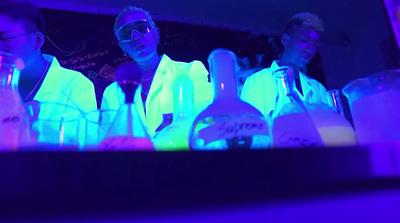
<point>335,101</point>
<point>183,101</point>
<point>223,75</point>
<point>9,77</point>
<point>284,83</point>
<point>9,93</point>
<point>183,109</point>
<point>10,67</point>
<point>129,89</point>
<point>286,94</point>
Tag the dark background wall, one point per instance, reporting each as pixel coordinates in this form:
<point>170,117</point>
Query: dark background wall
<point>85,42</point>
<point>358,39</point>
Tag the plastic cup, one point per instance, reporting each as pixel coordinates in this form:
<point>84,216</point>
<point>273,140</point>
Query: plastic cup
<point>52,125</point>
<point>95,125</point>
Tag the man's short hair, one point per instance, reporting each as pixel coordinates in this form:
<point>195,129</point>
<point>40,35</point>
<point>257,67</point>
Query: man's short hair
<point>306,19</point>
<point>130,9</point>
<point>23,10</point>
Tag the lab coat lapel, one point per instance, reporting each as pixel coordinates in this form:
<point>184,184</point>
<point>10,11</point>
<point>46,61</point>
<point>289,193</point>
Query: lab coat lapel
<point>50,82</point>
<point>160,94</point>
<point>139,105</point>
<point>306,87</point>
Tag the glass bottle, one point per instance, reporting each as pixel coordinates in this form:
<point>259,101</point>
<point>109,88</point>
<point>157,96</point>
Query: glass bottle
<point>14,130</point>
<point>228,122</point>
<point>334,101</point>
<point>333,128</point>
<point>127,131</point>
<point>331,123</point>
<point>292,126</point>
<point>175,135</point>
<point>374,102</point>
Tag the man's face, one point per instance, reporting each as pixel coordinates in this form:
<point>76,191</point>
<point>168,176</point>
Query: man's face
<point>143,45</point>
<point>16,39</point>
<point>302,45</point>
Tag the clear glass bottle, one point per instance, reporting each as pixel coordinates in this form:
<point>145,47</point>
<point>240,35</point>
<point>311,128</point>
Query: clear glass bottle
<point>292,125</point>
<point>331,123</point>
<point>14,129</point>
<point>127,132</point>
<point>175,135</point>
<point>228,122</point>
<point>333,128</point>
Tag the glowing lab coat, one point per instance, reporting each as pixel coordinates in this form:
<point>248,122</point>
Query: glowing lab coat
<point>160,97</point>
<point>66,86</point>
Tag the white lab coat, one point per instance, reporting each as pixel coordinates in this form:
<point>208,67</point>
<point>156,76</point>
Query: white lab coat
<point>160,98</point>
<point>66,86</point>
<point>259,89</point>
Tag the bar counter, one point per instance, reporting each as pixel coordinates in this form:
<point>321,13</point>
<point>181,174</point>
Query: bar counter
<point>50,185</point>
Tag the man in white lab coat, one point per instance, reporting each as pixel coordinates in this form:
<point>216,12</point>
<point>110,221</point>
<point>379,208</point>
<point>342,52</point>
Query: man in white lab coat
<point>22,29</point>
<point>300,40</point>
<point>138,37</point>
<point>42,79</point>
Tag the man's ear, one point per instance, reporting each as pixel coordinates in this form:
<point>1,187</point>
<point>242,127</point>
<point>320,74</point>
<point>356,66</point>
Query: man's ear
<point>39,40</point>
<point>284,39</point>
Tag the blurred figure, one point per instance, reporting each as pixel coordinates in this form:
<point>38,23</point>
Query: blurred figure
<point>301,41</point>
<point>22,30</point>
<point>138,37</point>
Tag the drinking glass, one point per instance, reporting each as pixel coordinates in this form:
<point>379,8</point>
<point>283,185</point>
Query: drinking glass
<point>94,127</point>
<point>52,125</point>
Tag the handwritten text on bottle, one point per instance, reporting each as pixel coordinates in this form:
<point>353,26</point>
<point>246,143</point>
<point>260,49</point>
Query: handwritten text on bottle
<point>288,139</point>
<point>228,129</point>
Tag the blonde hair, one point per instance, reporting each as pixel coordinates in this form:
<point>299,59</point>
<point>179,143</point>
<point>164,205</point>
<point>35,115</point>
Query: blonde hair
<point>307,19</point>
<point>129,9</point>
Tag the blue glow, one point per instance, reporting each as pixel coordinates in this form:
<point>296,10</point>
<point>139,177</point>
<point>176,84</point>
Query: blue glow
<point>393,9</point>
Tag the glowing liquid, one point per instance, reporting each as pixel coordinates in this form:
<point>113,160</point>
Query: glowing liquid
<point>338,136</point>
<point>126,143</point>
<point>173,137</point>
<point>295,130</point>
<point>377,117</point>
<point>334,129</point>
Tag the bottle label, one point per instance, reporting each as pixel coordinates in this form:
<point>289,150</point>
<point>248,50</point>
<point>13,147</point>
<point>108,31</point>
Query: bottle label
<point>238,127</point>
<point>293,139</point>
<point>11,127</point>
<point>10,119</point>
<point>126,143</point>
<point>295,130</point>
